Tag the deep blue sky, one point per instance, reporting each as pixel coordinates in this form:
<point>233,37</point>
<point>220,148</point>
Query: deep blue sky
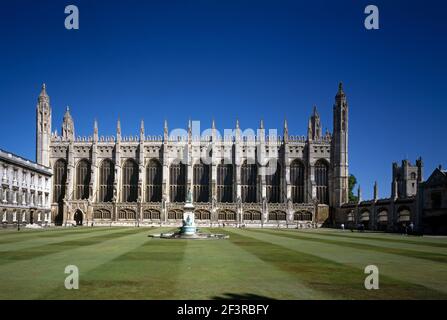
<point>231,59</point>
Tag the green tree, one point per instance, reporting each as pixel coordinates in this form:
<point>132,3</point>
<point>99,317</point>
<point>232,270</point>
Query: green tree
<point>351,184</point>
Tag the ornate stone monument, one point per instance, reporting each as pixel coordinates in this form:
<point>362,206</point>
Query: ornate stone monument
<point>189,227</point>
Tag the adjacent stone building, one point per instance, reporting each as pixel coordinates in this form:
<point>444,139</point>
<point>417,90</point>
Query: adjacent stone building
<point>25,194</point>
<point>413,202</point>
<point>241,178</point>
<point>433,203</point>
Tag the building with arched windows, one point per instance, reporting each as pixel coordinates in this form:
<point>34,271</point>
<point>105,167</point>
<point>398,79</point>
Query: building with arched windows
<point>242,178</point>
<point>414,204</point>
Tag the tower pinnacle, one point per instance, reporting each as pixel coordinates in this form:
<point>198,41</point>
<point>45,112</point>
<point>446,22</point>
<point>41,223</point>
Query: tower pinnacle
<point>43,92</point>
<point>43,128</point>
<point>339,149</point>
<point>68,126</point>
<point>340,92</point>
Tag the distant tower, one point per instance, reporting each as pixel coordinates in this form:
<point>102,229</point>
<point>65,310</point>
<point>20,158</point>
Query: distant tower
<point>68,133</point>
<point>43,128</point>
<point>406,179</point>
<point>339,150</point>
<point>314,131</point>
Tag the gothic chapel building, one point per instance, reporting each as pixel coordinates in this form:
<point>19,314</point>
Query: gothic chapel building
<point>140,181</point>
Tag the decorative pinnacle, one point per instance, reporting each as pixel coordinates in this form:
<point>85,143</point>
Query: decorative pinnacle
<point>237,123</point>
<point>43,92</point>
<point>262,124</point>
<point>340,89</point>
<point>67,112</point>
<point>189,128</point>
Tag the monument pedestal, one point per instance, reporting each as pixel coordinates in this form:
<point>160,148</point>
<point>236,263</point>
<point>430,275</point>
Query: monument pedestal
<point>189,227</point>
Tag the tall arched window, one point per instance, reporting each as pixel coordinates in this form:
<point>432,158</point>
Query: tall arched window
<point>225,182</point>
<point>249,173</point>
<point>201,181</point>
<point>177,182</point>
<point>321,179</point>
<point>297,181</point>
<point>59,180</point>
<point>153,181</point>
<point>130,181</point>
<point>273,183</point>
<point>83,175</point>
<point>106,180</point>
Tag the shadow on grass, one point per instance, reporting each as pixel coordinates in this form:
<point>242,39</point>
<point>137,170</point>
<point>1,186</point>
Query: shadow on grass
<point>241,296</point>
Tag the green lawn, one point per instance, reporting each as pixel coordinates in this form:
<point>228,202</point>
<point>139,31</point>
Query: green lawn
<point>124,263</point>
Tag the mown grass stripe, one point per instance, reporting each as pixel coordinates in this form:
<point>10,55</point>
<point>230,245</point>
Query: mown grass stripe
<point>384,237</point>
<point>339,281</point>
<point>409,253</point>
<point>220,269</point>
<point>39,241</point>
<point>422,272</point>
<point>35,278</point>
<point>51,248</point>
<point>19,236</point>
<point>147,271</point>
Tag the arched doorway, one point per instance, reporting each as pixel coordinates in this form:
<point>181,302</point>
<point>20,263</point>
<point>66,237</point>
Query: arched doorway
<point>78,217</point>
<point>364,219</point>
<point>403,219</point>
<point>382,220</point>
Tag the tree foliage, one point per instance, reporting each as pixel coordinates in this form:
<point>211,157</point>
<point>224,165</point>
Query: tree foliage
<point>351,184</point>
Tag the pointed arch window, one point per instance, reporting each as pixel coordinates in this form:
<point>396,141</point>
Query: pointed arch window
<point>249,173</point>
<point>177,182</point>
<point>273,183</point>
<point>225,182</point>
<point>60,180</point>
<point>297,181</point>
<point>201,181</point>
<point>154,174</point>
<point>106,181</point>
<point>83,175</point>
<point>130,181</point>
<point>322,181</point>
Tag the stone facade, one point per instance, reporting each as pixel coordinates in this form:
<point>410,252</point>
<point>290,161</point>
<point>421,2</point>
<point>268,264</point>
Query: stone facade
<point>413,201</point>
<point>238,178</point>
<point>432,201</point>
<point>25,194</point>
